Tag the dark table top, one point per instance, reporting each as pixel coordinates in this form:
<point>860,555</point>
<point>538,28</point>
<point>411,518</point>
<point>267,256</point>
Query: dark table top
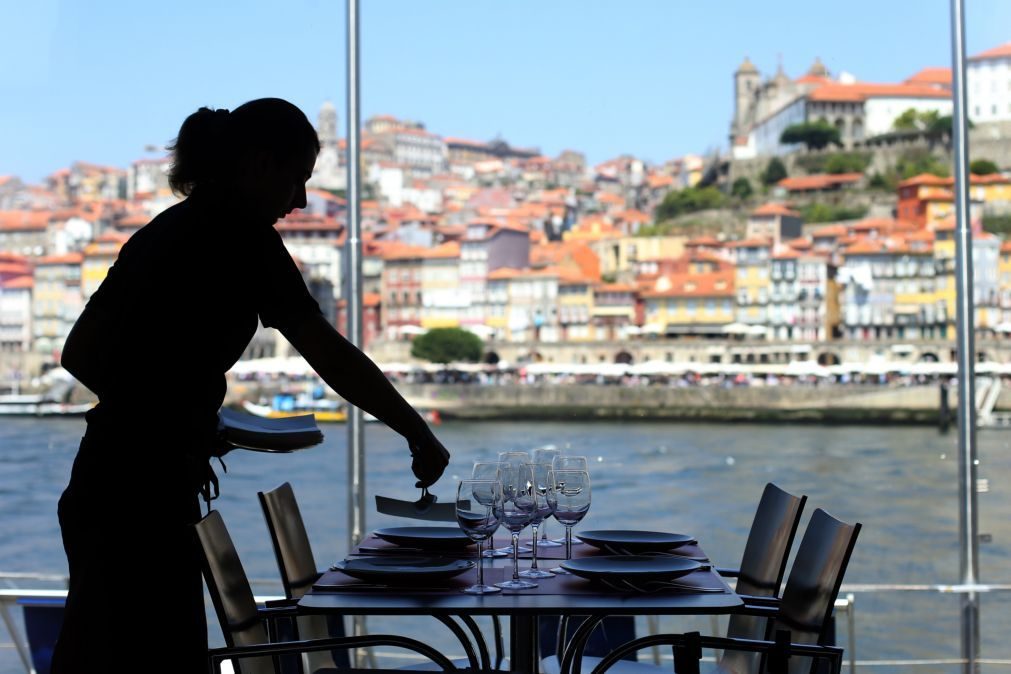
<point>562,595</point>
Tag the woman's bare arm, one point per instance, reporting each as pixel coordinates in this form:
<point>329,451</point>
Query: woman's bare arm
<point>356,378</point>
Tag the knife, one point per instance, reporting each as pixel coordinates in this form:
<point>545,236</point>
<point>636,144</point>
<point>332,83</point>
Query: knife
<point>430,510</point>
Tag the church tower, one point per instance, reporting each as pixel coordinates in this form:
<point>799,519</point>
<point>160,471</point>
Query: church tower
<point>746,82</point>
<point>327,125</point>
<point>328,174</point>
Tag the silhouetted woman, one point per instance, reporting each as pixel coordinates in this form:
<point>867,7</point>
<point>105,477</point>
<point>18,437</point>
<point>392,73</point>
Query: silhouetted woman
<point>154,342</point>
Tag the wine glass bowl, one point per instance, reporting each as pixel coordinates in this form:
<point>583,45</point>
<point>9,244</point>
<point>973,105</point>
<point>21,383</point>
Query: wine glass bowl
<point>519,504</point>
<point>572,495</point>
<point>479,513</point>
<point>543,490</point>
<point>490,470</point>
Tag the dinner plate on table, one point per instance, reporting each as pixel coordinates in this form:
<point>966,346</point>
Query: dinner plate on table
<point>633,568</point>
<point>620,542</point>
<point>425,538</point>
<point>403,570</point>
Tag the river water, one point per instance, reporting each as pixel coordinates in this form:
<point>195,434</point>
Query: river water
<point>901,483</point>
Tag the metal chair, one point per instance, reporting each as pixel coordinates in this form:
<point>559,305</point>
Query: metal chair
<point>763,565</point>
<point>298,573</point>
<point>799,620</point>
<point>760,575</point>
<point>245,625</point>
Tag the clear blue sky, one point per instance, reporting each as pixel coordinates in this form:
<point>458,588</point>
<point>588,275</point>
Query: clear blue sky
<point>99,80</point>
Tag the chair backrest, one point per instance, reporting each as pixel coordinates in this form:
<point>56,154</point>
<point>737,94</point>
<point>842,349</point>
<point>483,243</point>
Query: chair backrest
<point>298,572</point>
<point>769,541</point>
<point>813,585</point>
<point>290,540</point>
<point>762,567</point>
<point>230,592</point>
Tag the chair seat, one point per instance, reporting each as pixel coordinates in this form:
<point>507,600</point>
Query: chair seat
<point>550,666</point>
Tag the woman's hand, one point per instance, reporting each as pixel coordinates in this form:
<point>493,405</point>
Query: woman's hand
<point>429,458</point>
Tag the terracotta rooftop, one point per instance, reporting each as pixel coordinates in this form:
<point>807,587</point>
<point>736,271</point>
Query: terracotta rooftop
<point>772,208</point>
<point>819,181</point>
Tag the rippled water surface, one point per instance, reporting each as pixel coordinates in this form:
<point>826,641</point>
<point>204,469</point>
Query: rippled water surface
<point>901,483</point>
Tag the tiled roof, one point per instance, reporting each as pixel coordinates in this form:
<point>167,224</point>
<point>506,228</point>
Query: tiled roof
<point>68,258</point>
<point>716,284</point>
<point>936,76</point>
<point>773,208</point>
<point>819,182</point>
<point>829,231</point>
<point>24,220</point>
<point>862,91</point>
<point>1003,51</point>
<point>18,282</point>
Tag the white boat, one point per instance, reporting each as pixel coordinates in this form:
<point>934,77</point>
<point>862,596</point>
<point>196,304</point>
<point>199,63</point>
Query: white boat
<point>38,405</point>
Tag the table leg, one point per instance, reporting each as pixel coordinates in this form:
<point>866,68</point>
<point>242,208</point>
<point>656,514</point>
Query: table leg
<point>524,652</point>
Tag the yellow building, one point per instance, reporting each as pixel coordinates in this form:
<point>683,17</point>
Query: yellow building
<point>575,306</point>
<point>620,255</point>
<point>442,302</point>
<point>752,279</point>
<point>99,256</point>
<point>690,304</point>
<point>613,311</point>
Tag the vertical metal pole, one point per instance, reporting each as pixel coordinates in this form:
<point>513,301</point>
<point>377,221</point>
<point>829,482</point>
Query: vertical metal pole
<point>353,285</point>
<point>967,515</point>
<point>353,300</point>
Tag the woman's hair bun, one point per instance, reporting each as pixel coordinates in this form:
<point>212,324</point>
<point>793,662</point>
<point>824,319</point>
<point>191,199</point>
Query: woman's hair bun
<point>211,141</point>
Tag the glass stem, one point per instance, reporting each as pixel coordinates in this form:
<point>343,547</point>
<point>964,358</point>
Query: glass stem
<point>480,563</point>
<point>568,542</point>
<point>544,532</point>
<point>533,564</point>
<point>516,555</point>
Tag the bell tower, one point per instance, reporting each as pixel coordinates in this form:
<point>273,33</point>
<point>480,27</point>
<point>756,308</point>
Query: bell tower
<point>746,83</point>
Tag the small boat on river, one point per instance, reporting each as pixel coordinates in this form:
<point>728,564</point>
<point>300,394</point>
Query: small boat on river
<point>283,405</point>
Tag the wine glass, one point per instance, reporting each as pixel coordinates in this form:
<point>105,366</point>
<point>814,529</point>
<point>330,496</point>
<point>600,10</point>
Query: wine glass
<point>489,470</point>
<point>546,455</point>
<point>479,513</point>
<point>518,506</point>
<point>568,462</point>
<point>513,461</point>
<point>544,495</point>
<point>572,493</point>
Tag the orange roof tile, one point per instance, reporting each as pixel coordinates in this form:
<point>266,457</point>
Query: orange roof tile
<point>862,91</point>
<point>773,208</point>
<point>714,284</point>
<point>68,258</point>
<point>445,251</point>
<point>1005,247</point>
<point>654,181</point>
<point>1003,51</point>
<point>819,181</point>
<point>371,299</point>
<point>24,220</point>
<point>935,75</point>
<point>799,243</point>
<point>786,254</point>
<point>750,243</point>
<point>19,282</point>
<point>924,179</point>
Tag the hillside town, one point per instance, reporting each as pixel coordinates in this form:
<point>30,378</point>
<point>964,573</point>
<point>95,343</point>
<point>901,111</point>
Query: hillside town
<point>788,235</point>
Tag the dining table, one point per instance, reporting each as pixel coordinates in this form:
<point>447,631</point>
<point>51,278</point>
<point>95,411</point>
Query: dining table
<point>702,592</point>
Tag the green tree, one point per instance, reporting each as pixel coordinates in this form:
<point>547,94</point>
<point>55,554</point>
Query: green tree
<point>983,167</point>
<point>909,120</point>
<point>774,171</point>
<point>821,212</point>
<point>688,200</point>
<point>741,188</point>
<point>815,135</point>
<point>846,162</point>
<point>445,345</point>
<point>997,224</point>
<point>914,162</point>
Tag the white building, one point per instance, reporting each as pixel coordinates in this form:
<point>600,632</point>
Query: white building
<point>16,314</point>
<point>860,110</point>
<point>988,76</point>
